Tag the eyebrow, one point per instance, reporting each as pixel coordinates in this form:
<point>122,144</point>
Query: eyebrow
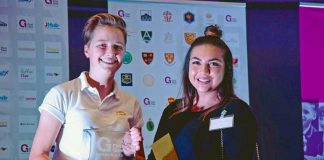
<point>118,43</point>
<point>214,59</point>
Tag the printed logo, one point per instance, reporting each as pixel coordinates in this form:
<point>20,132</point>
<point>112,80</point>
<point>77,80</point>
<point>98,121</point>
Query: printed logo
<point>150,125</point>
<point>189,37</point>
<point>52,151</point>
<point>168,80</point>
<point>27,74</point>
<point>146,15</point>
<point>171,99</point>
<point>126,79</point>
<point>4,45</point>
<point>230,18</point>
<point>50,3</point>
<point>53,74</point>
<point>27,124</point>
<point>24,148</point>
<point>169,58</point>
<point>147,57</point>
<point>148,80</point>
<point>146,36</point>
<point>148,102</point>
<point>123,14</point>
<point>4,124</point>
<point>27,99</point>
<point>25,24</point>
<point>53,148</point>
<point>5,98</point>
<point>51,26</point>
<point>167,16</point>
<point>189,17</point>
<point>5,149</point>
<point>3,23</point>
<point>26,49</point>
<point>107,149</point>
<point>127,58</point>
<point>168,38</point>
<point>235,61</point>
<point>52,50</point>
<point>4,73</point>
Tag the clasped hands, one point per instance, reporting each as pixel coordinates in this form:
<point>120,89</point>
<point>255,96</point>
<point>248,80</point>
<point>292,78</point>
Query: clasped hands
<point>131,141</point>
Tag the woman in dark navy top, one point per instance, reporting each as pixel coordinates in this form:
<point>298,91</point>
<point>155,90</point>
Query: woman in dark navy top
<point>210,121</point>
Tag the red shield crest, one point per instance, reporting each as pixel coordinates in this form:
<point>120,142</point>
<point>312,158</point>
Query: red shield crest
<point>147,57</point>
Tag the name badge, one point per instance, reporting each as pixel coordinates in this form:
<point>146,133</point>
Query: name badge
<point>221,123</point>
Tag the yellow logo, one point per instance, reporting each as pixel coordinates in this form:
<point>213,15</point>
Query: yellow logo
<point>189,37</point>
<point>120,113</point>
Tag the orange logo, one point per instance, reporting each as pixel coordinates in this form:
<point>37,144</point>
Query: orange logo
<point>169,57</point>
<point>189,37</point>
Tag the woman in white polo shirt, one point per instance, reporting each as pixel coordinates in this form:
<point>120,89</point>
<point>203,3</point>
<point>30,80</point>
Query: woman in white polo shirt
<point>77,114</point>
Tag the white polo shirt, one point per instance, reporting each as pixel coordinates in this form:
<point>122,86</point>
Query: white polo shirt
<point>78,107</point>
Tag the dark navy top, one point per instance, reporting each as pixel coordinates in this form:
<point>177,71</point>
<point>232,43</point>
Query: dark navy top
<point>193,140</point>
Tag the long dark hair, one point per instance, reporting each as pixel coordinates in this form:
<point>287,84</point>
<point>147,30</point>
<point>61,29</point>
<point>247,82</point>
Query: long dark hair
<point>225,88</point>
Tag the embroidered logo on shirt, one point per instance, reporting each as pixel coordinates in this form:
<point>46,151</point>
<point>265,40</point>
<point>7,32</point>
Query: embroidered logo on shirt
<point>121,113</point>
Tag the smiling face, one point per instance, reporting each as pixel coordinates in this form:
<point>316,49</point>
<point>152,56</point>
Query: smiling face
<point>105,50</point>
<point>206,68</point>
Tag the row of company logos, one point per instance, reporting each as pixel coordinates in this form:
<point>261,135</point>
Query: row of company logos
<point>168,16</point>
<point>10,149</point>
<point>46,4</point>
<point>169,58</point>
<point>28,98</point>
<point>27,24</point>
<point>28,49</point>
<point>172,39</point>
<point>25,123</point>
<point>148,80</point>
<point>28,74</point>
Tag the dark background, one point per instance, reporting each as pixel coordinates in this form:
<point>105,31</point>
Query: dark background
<point>273,66</point>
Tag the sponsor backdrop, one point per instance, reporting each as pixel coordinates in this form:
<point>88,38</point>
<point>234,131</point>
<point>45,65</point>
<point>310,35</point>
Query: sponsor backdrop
<point>159,35</point>
<point>33,58</point>
<point>311,24</point>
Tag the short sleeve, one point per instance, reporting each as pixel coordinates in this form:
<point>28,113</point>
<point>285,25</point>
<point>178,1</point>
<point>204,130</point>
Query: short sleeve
<point>53,103</point>
<point>137,116</point>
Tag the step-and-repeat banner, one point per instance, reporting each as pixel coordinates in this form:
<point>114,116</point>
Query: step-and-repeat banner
<point>33,58</point>
<point>159,34</point>
<point>311,24</point>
